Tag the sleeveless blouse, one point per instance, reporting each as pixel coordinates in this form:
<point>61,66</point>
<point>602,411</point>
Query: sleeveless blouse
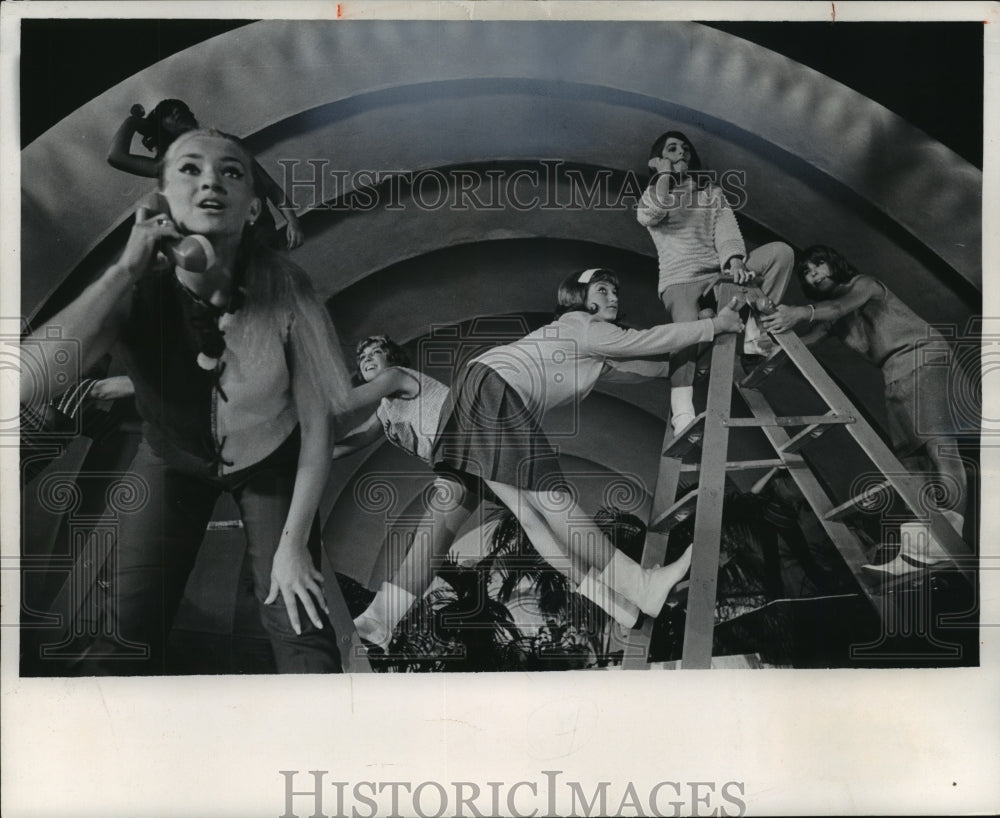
<point>410,423</point>
<point>889,334</point>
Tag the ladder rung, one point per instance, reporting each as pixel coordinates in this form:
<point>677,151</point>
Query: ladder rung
<point>689,437</point>
<point>730,662</point>
<point>811,432</point>
<point>760,372</point>
<point>868,498</point>
<point>727,278</point>
<point>677,513</point>
<point>829,419</point>
<point>740,465</point>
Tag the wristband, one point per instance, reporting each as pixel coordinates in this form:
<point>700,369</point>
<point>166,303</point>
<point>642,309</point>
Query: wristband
<point>812,315</point>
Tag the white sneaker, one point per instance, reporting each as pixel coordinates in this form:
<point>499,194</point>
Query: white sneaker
<point>760,346</point>
<point>678,423</point>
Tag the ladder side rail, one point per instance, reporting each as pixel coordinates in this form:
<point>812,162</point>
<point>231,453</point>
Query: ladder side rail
<point>636,647</point>
<point>700,621</point>
<point>655,550</point>
<point>905,484</point>
<point>843,538</point>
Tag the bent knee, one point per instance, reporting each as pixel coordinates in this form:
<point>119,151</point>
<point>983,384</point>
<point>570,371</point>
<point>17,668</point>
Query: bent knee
<point>779,254</point>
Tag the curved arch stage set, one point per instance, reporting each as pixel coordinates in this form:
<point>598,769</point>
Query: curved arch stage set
<point>447,176</point>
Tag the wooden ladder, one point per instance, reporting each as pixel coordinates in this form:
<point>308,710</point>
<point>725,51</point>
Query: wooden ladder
<point>711,430</point>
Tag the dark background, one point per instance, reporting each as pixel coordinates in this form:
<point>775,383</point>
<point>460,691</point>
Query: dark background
<point>931,74</point>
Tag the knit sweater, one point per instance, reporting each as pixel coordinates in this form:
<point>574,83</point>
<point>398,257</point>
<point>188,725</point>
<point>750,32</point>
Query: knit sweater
<point>695,233</point>
<point>561,362</point>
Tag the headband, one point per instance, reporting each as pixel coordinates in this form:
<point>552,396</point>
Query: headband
<point>586,275</point>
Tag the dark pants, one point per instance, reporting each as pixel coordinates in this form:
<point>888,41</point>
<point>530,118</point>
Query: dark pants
<point>157,547</point>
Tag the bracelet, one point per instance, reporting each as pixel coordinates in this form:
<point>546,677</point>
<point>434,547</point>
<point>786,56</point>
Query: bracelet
<point>812,315</point>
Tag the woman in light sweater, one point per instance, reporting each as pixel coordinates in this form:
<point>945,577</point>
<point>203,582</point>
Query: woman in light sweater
<point>697,239</point>
<point>493,432</point>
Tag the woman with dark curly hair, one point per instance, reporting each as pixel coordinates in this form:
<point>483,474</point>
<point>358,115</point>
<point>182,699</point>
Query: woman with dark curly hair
<point>697,240</point>
<point>869,318</point>
<point>407,408</point>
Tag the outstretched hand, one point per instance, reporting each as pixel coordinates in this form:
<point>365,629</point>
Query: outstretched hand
<point>113,388</point>
<point>294,576</point>
<point>728,319</point>
<point>784,318</point>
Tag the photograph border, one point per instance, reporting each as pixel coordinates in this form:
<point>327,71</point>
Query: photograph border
<point>762,742</point>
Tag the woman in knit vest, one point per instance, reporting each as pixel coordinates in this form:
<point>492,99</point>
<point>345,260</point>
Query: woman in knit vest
<point>225,342</point>
<point>868,317</point>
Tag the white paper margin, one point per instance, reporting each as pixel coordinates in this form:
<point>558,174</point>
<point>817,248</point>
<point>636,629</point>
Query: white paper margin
<point>821,742</point>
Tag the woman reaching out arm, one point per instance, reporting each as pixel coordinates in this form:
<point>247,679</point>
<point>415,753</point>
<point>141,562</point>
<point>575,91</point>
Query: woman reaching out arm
<point>494,433</point>
<point>869,318</point>
<point>407,411</point>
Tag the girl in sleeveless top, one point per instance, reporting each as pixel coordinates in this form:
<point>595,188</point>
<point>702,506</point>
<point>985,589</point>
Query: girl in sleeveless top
<point>408,403</point>
<point>408,410</point>
<point>868,317</point>
<point>492,431</point>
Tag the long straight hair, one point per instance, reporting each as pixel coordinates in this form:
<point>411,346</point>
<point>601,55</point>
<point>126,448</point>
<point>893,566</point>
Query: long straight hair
<point>281,297</point>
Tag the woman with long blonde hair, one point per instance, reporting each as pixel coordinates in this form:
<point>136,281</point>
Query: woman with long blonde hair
<point>227,346</point>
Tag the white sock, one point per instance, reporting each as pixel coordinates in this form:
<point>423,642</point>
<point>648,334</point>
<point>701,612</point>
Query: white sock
<point>918,549</point>
<point>619,608</point>
<point>681,407</point>
<point>648,588</point>
<point>380,618</point>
